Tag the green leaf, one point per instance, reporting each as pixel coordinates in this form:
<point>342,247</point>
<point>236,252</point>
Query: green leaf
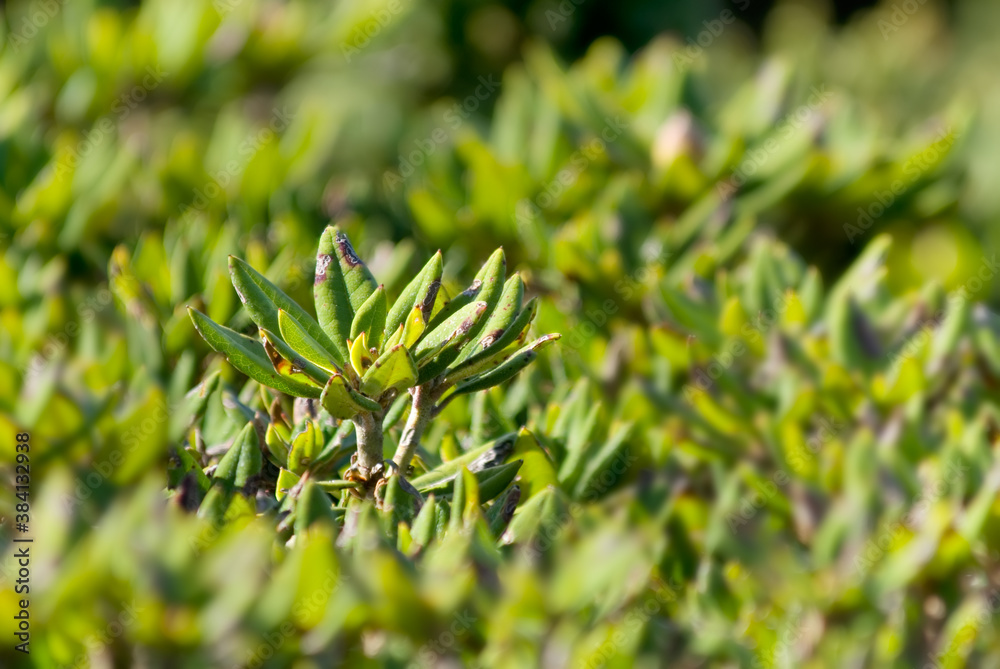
<point>422,530</point>
<point>502,510</point>
<point>361,356</point>
<point>370,318</point>
<point>288,362</point>
<point>497,480</point>
<point>453,305</point>
<point>952,328</point>
<point>306,446</point>
<point>443,343</point>
<point>334,298</point>
<point>506,370</point>
<point>413,328</point>
<point>540,517</point>
<point>247,355</point>
<point>313,506</point>
<point>491,480</point>
<point>395,369</point>
<point>192,408</point>
<point>486,287</point>
<point>850,335</point>
<point>286,481</point>
<point>188,467</point>
<point>497,350</point>
<point>601,462</point>
<point>263,300</point>
<point>538,471</point>
<point>338,485</point>
<point>492,275</point>
<point>507,310</point>
<point>342,401</point>
<point>490,454</point>
<point>464,500</point>
<point>421,291</point>
<point>213,507</point>
<point>305,345</point>
<point>491,279</point>
<point>242,461</point>
<point>276,446</point>
<point>342,285</point>
<point>452,332</point>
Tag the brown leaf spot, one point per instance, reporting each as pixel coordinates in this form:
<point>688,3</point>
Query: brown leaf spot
<point>347,251</point>
<point>322,262</point>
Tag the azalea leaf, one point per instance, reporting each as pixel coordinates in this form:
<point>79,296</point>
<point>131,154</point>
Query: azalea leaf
<point>263,300</point>
<point>507,310</point>
<point>370,318</point>
<point>413,328</point>
<point>395,369</point>
<point>288,362</point>
<point>498,350</point>
<point>361,357</point>
<point>342,401</point>
<point>303,343</point>
<point>243,460</point>
<point>342,285</point>
<point>459,325</point>
<point>306,446</point>
<point>247,355</point>
<point>435,361</point>
<point>421,292</point>
<point>286,481</point>
<point>507,369</point>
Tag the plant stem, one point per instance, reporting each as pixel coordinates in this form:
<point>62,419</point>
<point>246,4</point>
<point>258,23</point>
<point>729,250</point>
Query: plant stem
<point>369,430</point>
<point>421,412</point>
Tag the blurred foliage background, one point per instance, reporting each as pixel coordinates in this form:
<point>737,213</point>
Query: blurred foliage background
<point>660,173</point>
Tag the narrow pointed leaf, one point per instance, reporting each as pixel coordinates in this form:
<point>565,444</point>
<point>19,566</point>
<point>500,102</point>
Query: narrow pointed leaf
<point>276,446</point>
<point>540,516</point>
<point>288,362</point>
<point>338,485</point>
<point>460,324</point>
<point>334,302</point>
<point>497,350</point>
<point>357,277</point>
<point>370,318</point>
<point>464,498</point>
<point>488,455</point>
<point>508,369</point>
<point>503,317</point>
<point>614,450</point>
<point>497,480</point>
<point>263,300</point>
<point>492,480</point>
<point>299,339</point>
<point>502,510</point>
<point>425,523</point>
<point>396,338</point>
<point>313,506</point>
<point>247,355</point>
<point>306,446</point>
<point>243,460</point>
<point>493,274</point>
<point>422,292</point>
<point>436,361</point>
<point>453,305</point>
